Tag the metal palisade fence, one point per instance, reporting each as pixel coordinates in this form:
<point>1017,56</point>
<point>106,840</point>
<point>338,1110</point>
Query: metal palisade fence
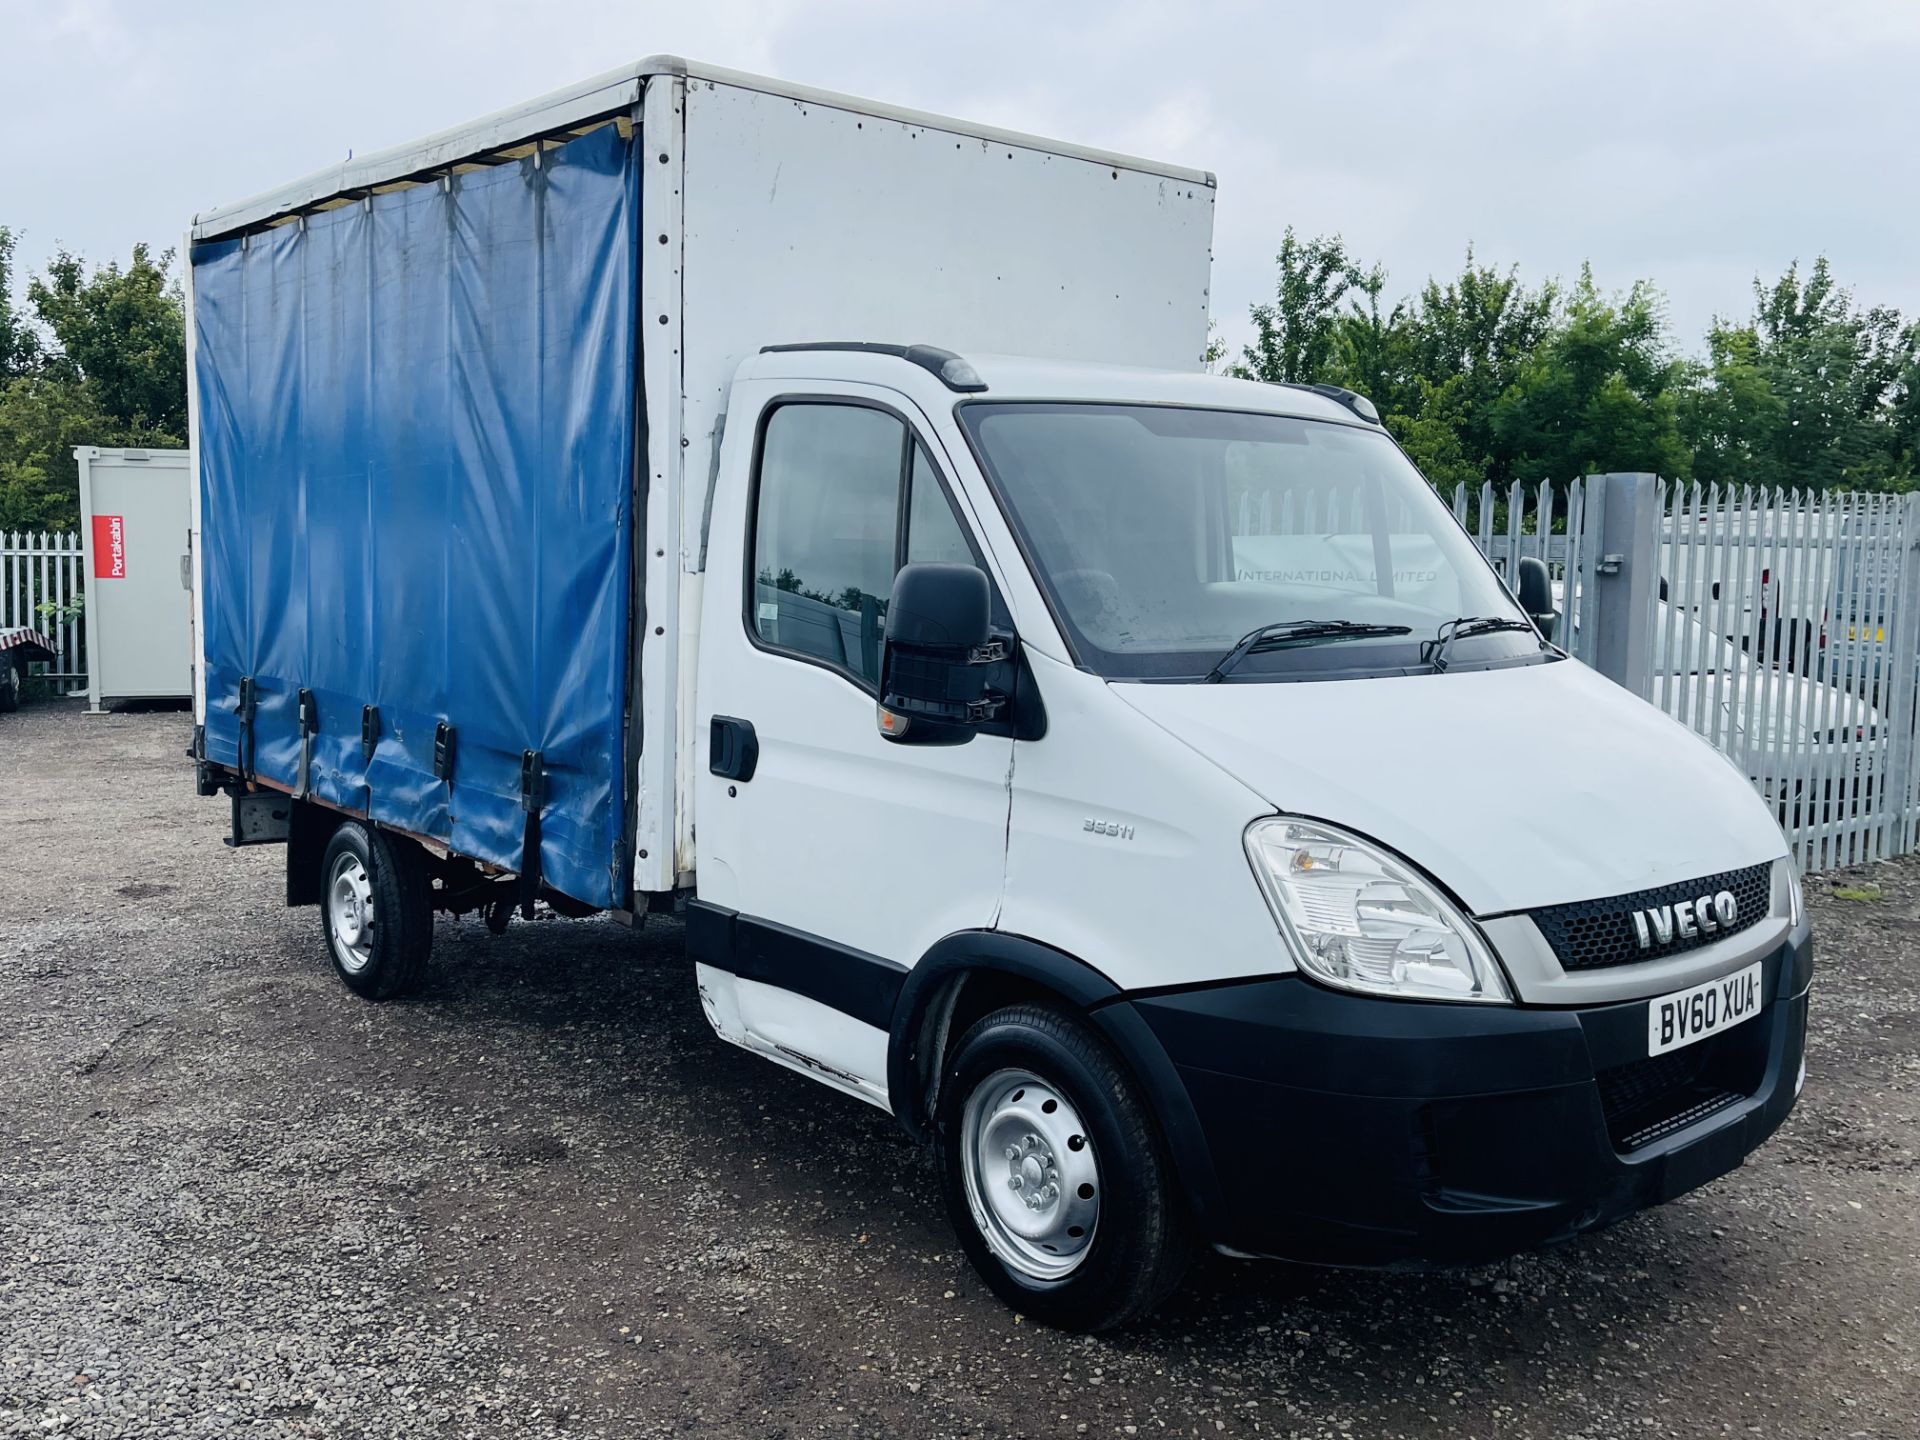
<point>41,587</point>
<point>1785,631</point>
<point>1548,522</point>
<point>1783,626</point>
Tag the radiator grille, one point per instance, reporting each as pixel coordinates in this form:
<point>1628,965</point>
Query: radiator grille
<point>1593,934</point>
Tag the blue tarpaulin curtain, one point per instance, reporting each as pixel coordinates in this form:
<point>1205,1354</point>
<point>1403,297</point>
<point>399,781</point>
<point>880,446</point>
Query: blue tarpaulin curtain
<point>416,440</point>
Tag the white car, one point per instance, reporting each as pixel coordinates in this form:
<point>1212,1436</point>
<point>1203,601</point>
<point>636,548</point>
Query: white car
<point>1812,750</point>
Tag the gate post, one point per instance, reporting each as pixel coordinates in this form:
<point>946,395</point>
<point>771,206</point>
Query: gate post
<point>1895,803</point>
<point>1626,564</point>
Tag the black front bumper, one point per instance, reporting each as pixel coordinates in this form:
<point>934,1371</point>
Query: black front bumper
<point>1344,1129</point>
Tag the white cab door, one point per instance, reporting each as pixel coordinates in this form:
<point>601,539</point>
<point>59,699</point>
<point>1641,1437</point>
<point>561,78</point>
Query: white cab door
<point>845,855</point>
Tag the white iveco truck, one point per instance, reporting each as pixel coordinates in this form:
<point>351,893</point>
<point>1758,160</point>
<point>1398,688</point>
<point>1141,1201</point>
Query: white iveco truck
<point>691,492</point>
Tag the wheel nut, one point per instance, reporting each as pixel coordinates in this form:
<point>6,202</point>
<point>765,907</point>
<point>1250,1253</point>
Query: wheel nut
<point>1014,1182</point>
<point>1013,1152</point>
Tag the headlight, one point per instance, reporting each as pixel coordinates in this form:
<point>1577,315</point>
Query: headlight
<point>1794,898</point>
<point>1361,918</point>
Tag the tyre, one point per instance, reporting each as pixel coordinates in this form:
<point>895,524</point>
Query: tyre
<point>9,686</point>
<point>376,911</point>
<point>1054,1174</point>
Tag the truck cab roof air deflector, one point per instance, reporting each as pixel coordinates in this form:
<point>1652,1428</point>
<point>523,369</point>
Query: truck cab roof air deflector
<point>1340,395</point>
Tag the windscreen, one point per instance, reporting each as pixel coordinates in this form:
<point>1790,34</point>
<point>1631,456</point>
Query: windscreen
<point>1164,536</point>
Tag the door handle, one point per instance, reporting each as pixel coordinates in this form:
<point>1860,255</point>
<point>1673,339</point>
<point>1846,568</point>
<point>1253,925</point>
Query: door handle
<point>733,750</point>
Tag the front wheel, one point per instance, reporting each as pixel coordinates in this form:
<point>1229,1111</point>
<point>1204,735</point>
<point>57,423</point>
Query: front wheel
<point>376,910</point>
<point>1054,1175</point>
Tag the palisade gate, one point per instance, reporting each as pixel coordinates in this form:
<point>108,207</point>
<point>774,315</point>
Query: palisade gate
<point>1783,626</point>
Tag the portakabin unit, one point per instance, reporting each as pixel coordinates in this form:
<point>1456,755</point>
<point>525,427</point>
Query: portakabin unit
<point>136,509</point>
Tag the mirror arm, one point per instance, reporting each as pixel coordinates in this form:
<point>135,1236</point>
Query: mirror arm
<point>987,707</point>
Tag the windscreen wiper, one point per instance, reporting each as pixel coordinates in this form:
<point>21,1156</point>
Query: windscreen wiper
<point>1434,652</point>
<point>1289,632</point>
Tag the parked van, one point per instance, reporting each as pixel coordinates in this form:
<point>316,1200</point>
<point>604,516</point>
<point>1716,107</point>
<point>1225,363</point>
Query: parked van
<point>693,493</point>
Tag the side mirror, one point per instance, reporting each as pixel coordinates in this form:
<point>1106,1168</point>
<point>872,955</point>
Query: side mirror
<point>933,671</point>
<point>1536,593</point>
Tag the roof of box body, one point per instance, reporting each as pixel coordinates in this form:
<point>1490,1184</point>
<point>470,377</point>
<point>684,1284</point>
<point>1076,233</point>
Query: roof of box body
<point>616,92</point>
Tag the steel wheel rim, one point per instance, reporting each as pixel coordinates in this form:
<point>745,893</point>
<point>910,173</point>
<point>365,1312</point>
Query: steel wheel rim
<point>350,913</point>
<point>1032,1181</point>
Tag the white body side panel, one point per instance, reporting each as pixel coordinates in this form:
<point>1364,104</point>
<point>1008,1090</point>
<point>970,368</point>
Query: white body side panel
<point>139,620</point>
<point>807,223</point>
<point>1124,847</point>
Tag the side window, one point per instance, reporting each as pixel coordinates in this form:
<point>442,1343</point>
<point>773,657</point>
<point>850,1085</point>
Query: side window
<point>933,530</point>
<point>845,497</point>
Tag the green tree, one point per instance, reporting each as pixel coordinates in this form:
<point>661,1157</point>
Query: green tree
<point>1733,417</point>
<point>121,333</point>
<point>1812,391</point>
<point>1294,336</point>
<point>1434,365</point>
<point>102,362</point>
<point>41,420</point>
<point>1906,409</point>
<point>1467,344</point>
<point>1483,377</point>
<point>1430,432</point>
<point>1600,391</point>
<point>1371,347</point>
<point>19,345</point>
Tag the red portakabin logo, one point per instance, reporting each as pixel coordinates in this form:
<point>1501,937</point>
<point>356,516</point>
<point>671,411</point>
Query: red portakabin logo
<point>109,547</point>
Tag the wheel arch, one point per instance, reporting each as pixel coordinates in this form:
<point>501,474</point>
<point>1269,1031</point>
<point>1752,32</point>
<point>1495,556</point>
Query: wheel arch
<point>968,974</point>
<point>309,828</point>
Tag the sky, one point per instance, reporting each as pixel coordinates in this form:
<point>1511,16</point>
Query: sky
<point>1691,142</point>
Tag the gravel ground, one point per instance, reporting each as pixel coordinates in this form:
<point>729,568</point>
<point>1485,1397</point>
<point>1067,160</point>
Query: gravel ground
<point>543,1199</point>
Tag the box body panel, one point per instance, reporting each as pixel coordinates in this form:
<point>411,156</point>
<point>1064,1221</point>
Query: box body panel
<point>415,441</point>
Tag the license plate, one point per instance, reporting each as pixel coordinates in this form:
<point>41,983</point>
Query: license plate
<point>1688,1015</point>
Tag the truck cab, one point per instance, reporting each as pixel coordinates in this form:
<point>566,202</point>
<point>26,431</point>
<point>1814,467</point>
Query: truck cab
<point>1271,882</point>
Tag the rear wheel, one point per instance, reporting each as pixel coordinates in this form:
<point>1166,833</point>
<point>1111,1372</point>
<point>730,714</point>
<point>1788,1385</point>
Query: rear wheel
<point>376,911</point>
<point>9,686</point>
<point>1054,1175</point>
